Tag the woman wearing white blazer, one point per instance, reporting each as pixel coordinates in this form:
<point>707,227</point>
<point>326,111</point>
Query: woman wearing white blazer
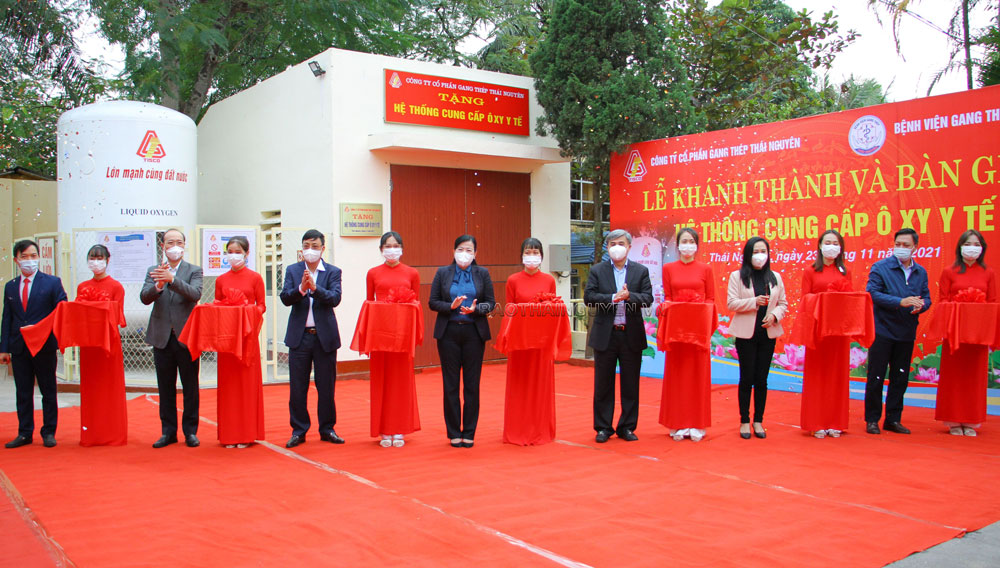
<point>757,296</point>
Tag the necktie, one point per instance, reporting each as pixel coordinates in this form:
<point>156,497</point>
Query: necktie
<point>24,294</point>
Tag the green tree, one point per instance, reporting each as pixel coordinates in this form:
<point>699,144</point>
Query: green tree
<point>606,77</point>
<point>850,94</point>
<point>752,61</point>
<point>959,33</point>
<point>42,74</point>
<point>515,33</point>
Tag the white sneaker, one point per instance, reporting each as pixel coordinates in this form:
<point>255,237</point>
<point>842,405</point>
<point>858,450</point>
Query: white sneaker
<point>956,431</point>
<point>820,434</point>
<point>241,446</point>
<point>697,435</point>
<point>677,437</point>
<point>386,441</point>
<point>833,433</point>
<point>970,432</point>
<point>398,441</point>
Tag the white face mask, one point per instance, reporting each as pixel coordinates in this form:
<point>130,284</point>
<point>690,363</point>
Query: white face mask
<point>236,259</point>
<point>531,260</point>
<point>97,266</point>
<point>463,258</point>
<point>759,259</point>
<point>617,252</point>
<point>312,255</point>
<point>175,253</point>
<point>971,252</point>
<point>392,253</point>
<point>28,267</point>
<point>687,249</point>
<point>830,251</point>
<point>902,253</point>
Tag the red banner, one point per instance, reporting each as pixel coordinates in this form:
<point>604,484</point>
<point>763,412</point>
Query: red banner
<point>932,164</point>
<point>412,98</point>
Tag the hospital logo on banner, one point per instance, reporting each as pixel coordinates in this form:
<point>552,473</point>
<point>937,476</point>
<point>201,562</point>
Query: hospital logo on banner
<point>634,168</point>
<point>867,135</point>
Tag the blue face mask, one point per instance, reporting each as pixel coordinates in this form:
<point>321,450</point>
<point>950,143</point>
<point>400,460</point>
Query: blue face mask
<point>28,267</point>
<point>902,253</point>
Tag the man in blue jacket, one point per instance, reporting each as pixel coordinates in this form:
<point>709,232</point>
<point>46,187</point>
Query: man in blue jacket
<point>312,289</point>
<point>27,300</point>
<point>899,290</point>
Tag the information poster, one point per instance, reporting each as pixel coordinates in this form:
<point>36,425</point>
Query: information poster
<point>214,242</point>
<point>361,219</point>
<point>932,164</point>
<point>132,253</point>
<point>47,255</point>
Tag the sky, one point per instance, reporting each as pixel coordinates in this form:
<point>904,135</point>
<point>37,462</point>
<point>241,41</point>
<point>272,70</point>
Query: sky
<point>872,55</point>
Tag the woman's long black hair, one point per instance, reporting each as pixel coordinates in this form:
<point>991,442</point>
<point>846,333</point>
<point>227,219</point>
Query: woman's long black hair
<point>747,269</point>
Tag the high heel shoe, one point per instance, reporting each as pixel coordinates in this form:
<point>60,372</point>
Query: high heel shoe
<point>759,433</point>
<point>744,435</point>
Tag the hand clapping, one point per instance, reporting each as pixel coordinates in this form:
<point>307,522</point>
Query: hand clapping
<point>622,295</point>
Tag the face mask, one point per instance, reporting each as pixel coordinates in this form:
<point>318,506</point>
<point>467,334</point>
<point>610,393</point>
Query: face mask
<point>971,252</point>
<point>463,258</point>
<point>97,266</point>
<point>175,253</point>
<point>902,253</point>
<point>617,252</point>
<point>687,249</point>
<point>531,261</point>
<point>28,267</point>
<point>311,255</point>
<point>236,259</point>
<point>392,253</point>
<point>830,251</point>
<point>759,259</point>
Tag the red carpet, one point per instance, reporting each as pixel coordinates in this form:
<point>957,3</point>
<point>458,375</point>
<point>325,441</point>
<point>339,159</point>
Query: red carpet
<point>789,500</point>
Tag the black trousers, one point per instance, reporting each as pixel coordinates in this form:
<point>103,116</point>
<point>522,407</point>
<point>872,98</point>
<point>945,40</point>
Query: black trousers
<point>461,352</point>
<point>171,361</point>
<point>302,360</point>
<point>755,364</point>
<point>894,355</point>
<point>618,354</point>
<point>27,369</point>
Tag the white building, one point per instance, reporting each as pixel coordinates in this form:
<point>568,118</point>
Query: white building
<point>290,151</point>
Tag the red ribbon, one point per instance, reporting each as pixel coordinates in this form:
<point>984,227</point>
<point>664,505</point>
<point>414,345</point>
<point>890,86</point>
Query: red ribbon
<point>233,297</point>
<point>93,295</point>
<point>688,295</point>
<point>970,295</point>
<point>842,285</point>
<point>401,295</point>
<point>546,298</point>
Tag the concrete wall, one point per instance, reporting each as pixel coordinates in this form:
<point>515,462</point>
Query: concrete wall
<point>303,144</point>
<point>27,207</point>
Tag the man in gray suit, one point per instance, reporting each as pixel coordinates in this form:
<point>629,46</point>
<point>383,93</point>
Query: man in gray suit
<point>174,289</point>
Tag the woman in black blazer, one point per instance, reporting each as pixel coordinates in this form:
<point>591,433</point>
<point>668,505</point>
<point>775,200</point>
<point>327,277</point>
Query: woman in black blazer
<point>462,295</point>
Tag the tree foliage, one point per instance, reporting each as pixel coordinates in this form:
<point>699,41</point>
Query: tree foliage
<point>753,61</point>
<point>42,74</point>
<point>606,77</point>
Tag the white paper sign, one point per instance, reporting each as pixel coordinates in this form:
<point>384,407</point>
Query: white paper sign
<point>132,252</point>
<point>213,253</point>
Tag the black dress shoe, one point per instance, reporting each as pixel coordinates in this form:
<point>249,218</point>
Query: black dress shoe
<point>467,443</point>
<point>896,427</point>
<point>331,437</point>
<point>628,435</point>
<point>872,428</point>
<point>18,442</point>
<point>165,441</point>
<point>745,435</point>
<point>295,441</point>
<point>49,441</point>
<point>761,434</point>
<point>602,436</point>
<point>192,441</point>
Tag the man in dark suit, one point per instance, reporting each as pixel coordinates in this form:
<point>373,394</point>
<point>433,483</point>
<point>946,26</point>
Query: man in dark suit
<point>900,293</point>
<point>27,300</point>
<point>616,292</point>
<point>312,289</point>
<point>174,289</point>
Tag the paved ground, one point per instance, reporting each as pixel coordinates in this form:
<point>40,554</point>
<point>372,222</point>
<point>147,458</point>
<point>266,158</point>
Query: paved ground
<point>974,550</point>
